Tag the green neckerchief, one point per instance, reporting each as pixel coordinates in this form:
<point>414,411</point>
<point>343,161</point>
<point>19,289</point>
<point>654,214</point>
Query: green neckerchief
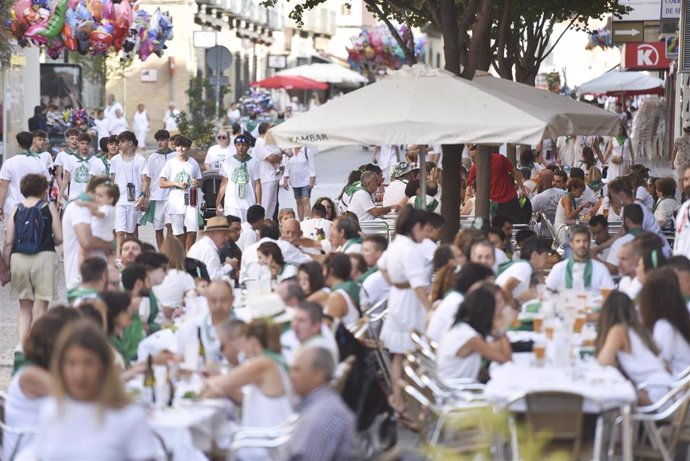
<point>149,215</point>
<point>621,139</point>
<point>164,152</point>
<point>596,185</point>
<point>430,207</point>
<point>19,361</point>
<point>370,271</point>
<point>240,175</point>
<point>79,292</point>
<point>69,151</point>
<point>504,266</point>
<point>82,196</point>
<point>131,337</point>
<point>351,288</point>
<point>352,188</point>
<point>569,273</point>
<point>655,205</point>
<point>118,344</point>
<point>30,153</point>
<point>349,243</point>
<point>572,199</point>
<point>153,313</point>
<point>636,232</point>
<point>82,159</point>
<point>106,163</point>
<point>277,358</point>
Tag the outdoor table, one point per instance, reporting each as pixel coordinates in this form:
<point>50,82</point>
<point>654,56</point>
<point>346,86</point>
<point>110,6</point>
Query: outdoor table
<point>589,379</point>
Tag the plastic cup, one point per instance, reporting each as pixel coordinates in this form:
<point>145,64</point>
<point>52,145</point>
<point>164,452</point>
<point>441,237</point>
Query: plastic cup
<point>549,329</point>
<point>538,323</point>
<point>605,293</point>
<point>539,350</point>
<point>579,323</point>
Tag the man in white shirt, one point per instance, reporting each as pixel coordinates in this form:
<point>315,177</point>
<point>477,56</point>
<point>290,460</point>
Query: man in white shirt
<point>111,108</point>
<point>362,203</point>
<point>241,183</point>
<point>127,172</point>
<point>681,245</point>
<point>269,232</point>
<point>546,201</point>
<point>170,118</point>
<point>632,222</point>
<point>72,140</point>
<point>621,194</point>
<point>579,272</point>
<point>38,147</point>
<point>307,330</point>
<point>216,155</point>
<point>77,236</point>
<point>207,248</point>
<point>77,169</point>
<point>248,235</point>
<point>627,267</point>
<point>13,171</point>
<point>158,197</point>
<point>269,167</point>
<point>395,191</point>
<point>375,287</point>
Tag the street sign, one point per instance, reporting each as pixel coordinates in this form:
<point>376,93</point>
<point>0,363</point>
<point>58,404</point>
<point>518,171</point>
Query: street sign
<point>670,9</point>
<point>213,80</point>
<point>644,56</point>
<point>629,31</point>
<point>218,58</point>
<point>642,10</point>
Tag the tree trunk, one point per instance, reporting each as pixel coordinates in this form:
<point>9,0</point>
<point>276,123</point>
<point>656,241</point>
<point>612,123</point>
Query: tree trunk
<point>449,30</point>
<point>483,169</point>
<point>450,193</point>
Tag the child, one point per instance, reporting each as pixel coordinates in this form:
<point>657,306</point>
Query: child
<point>181,174</point>
<point>103,211</point>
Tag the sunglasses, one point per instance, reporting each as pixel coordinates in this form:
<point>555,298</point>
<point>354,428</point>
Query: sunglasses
<point>221,137</point>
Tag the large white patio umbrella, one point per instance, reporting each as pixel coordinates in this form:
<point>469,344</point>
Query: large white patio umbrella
<point>422,105</point>
<point>327,73</point>
<point>617,83</point>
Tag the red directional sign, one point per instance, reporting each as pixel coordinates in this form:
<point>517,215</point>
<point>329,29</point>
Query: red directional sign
<point>644,56</point>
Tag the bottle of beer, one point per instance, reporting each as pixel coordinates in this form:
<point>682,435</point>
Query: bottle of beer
<point>149,383</point>
<point>202,349</point>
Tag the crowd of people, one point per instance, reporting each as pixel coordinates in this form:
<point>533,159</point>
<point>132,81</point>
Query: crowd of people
<point>325,273</point>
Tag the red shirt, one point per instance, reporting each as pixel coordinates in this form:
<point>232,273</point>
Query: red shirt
<point>502,186</point>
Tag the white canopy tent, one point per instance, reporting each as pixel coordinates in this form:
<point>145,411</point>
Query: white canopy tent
<point>327,73</point>
<point>423,105</point>
<point>616,83</point>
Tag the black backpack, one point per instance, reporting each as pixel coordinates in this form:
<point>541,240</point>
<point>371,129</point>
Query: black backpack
<point>29,228</point>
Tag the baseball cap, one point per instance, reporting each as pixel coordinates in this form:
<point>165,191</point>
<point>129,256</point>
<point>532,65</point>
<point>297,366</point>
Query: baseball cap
<point>241,138</point>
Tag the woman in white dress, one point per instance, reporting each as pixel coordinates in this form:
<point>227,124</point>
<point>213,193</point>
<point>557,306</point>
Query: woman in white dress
<point>619,154</point>
<point>567,210</point>
<point>666,316</point>
<point>141,123</point>
<point>403,264</point>
<point>483,313</point>
<point>90,416</point>
<point>622,341</point>
<point>260,383</point>
<point>32,383</point>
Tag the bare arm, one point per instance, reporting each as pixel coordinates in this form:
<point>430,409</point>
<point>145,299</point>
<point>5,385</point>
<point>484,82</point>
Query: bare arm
<point>3,195</point>
<point>423,298</point>
<point>165,184</point>
<point>9,239</point>
<point>257,190</point>
<point>88,242</point>
<point>57,225</point>
<point>336,307</point>
<point>35,382</point>
<point>382,210</point>
<point>616,340</point>
<point>221,193</point>
<point>673,156</point>
<point>250,372</point>
<point>65,182</point>
<point>494,351</point>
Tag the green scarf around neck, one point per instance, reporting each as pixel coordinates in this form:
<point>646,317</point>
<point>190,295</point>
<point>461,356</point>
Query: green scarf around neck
<point>370,271</point>
<point>351,288</point>
<point>569,273</point>
<point>430,207</point>
<point>349,243</point>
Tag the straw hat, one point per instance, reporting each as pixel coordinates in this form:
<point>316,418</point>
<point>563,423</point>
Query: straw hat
<point>217,223</point>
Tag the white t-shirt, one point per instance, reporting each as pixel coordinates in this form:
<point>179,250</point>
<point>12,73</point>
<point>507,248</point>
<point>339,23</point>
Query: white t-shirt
<point>394,193</point>
<point>127,172</point>
<point>82,431</point>
<point>103,128</point>
<point>248,236</point>
<point>311,225</point>
<point>520,271</point>
<point>233,191</point>
<point>47,159</point>
<point>443,317</point>
<point>449,365</point>
<point>289,344</point>
<point>301,167</point>
<point>675,350</point>
<point>374,289</point>
<point>216,155</point>
<point>268,171</point>
<point>13,171</point>
<point>643,197</point>
<point>103,227</point>
<point>99,168</point>
<point>601,278</point>
<point>612,257</point>
<point>79,169</point>
<point>360,204</point>
<point>118,125</point>
<point>170,119</point>
<point>154,166</point>
<point>629,286</point>
<point>74,215</point>
<point>61,157</point>
<point>175,170</point>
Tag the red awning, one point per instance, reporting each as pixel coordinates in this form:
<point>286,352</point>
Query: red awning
<point>290,82</point>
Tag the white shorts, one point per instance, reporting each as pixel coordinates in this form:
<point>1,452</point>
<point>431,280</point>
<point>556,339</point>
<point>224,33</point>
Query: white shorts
<point>188,220</point>
<point>160,218</point>
<point>126,218</point>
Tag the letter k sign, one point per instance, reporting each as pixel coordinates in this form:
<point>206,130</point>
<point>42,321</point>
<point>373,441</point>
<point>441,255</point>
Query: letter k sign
<point>647,55</point>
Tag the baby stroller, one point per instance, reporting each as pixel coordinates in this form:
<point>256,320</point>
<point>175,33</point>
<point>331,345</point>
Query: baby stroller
<point>210,184</point>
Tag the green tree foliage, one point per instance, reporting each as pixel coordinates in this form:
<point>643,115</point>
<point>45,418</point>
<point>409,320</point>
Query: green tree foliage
<point>199,121</point>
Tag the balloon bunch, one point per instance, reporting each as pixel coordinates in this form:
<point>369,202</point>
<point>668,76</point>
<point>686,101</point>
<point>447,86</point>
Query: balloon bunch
<point>78,118</point>
<point>90,26</point>
<point>257,100</point>
<point>601,37</point>
<point>377,48</point>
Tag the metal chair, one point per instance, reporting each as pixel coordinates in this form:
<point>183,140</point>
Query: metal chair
<point>558,413</point>
<point>342,373</point>
<point>378,227</point>
<point>424,344</point>
<point>18,433</point>
<point>269,438</point>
